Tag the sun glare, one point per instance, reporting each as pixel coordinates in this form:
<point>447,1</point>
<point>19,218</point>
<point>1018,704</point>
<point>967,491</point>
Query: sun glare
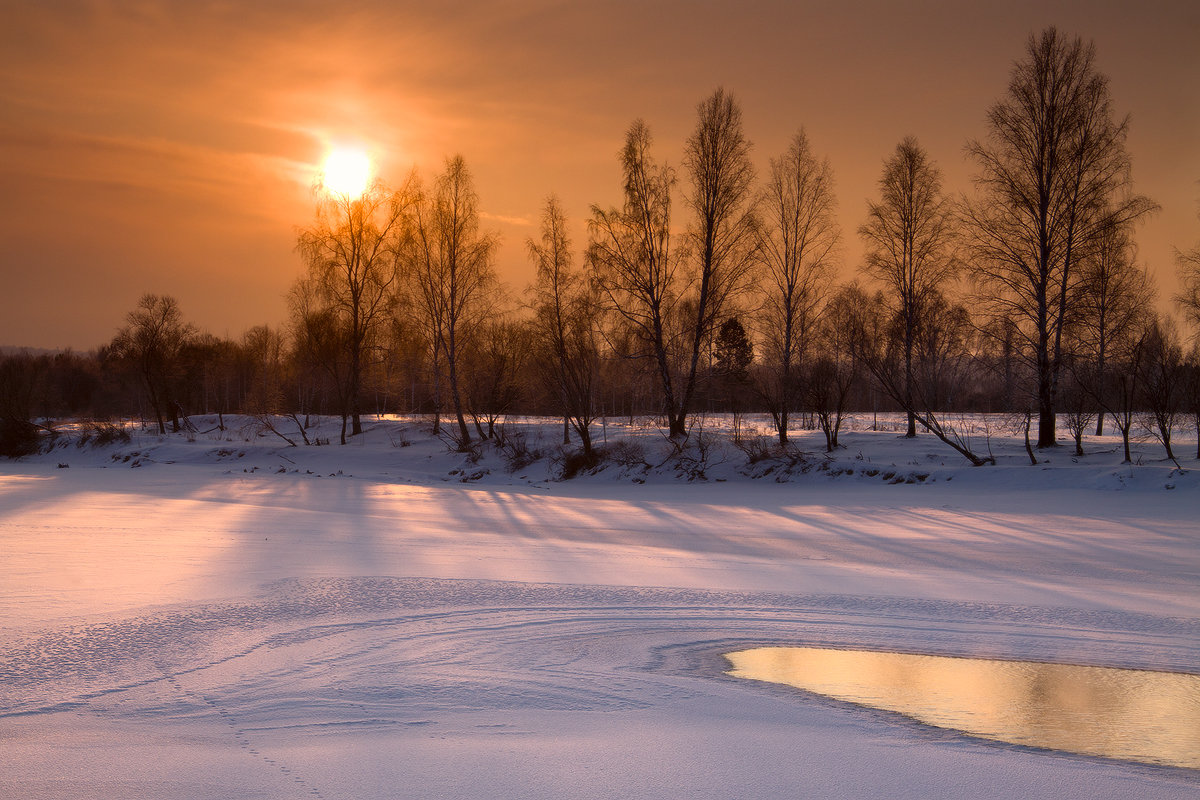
<point>346,172</point>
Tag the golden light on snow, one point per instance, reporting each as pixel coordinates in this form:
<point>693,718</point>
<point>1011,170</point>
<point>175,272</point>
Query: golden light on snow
<point>347,171</point>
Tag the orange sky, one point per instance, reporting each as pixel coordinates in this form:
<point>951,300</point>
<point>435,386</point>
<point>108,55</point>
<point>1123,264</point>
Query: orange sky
<point>169,147</point>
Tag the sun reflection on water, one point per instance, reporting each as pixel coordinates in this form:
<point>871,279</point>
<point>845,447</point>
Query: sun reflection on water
<point>1138,715</point>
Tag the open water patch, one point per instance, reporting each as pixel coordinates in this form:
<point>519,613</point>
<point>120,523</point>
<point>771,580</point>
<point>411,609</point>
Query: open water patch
<point>1136,715</point>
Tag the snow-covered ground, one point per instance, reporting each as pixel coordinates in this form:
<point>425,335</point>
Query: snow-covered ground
<point>218,615</point>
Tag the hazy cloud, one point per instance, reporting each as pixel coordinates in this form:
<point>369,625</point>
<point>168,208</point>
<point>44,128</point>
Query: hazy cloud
<point>176,142</point>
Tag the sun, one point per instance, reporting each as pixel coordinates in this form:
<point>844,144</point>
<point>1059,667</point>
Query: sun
<point>347,171</point>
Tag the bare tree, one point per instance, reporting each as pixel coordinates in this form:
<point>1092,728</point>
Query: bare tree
<point>633,264</point>
<point>1191,390</point>
<point>566,309</point>
<point>943,365</point>
<point>351,251</point>
<point>208,373</point>
<point>454,280</point>
<point>1075,401</point>
<point>1189,279</point>
<point>909,238</point>
<point>673,316</point>
<point>263,349</point>
<point>497,358</point>
<point>1160,380</point>
<point>1053,172</point>
<point>151,341</point>
<point>834,371</point>
<point>722,235</point>
<point>945,350</point>
<point>322,352</point>
<point>23,379</point>
<point>796,247</point>
<point>1119,395</point>
<point>1114,295</point>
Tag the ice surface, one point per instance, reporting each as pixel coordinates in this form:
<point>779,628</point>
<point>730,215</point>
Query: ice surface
<point>236,619</point>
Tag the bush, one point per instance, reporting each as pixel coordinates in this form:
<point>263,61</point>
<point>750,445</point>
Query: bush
<point>758,448</point>
<point>102,434</point>
<point>518,453</point>
<point>699,454</point>
<point>629,455</point>
<point>19,437</point>
<point>575,462</point>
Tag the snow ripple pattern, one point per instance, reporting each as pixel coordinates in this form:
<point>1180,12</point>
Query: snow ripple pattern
<point>386,651</point>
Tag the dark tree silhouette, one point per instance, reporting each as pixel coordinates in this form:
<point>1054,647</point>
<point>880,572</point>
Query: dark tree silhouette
<point>322,351</point>
<point>797,244</point>
<point>1191,390</point>
<point>497,359</point>
<point>733,355</point>
<point>733,352</point>
<point>943,365</point>
<point>454,280</point>
<point>1160,380</point>
<point>1053,172</point>
<point>834,371</point>
<point>1115,294</point>
<point>263,351</point>
<point>565,316</point>
<point>151,341</point>
<point>23,379</point>
<point>633,264</point>
<point>1189,280</point>
<point>352,253</point>
<point>717,159</point>
<point>909,237</point>
<point>674,316</point>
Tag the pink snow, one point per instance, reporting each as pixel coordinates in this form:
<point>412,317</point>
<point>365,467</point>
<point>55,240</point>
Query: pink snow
<point>234,618</point>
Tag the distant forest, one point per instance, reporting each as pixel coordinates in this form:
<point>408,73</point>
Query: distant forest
<point>710,289</point>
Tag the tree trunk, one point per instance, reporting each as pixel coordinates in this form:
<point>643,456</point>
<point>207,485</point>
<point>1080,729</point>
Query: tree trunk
<point>437,394</point>
<point>1165,433</point>
<point>157,406</point>
<point>355,414</point>
<point>1028,449</point>
<point>463,431</point>
<point>1046,424</point>
<point>911,433</point>
<point>677,426</point>
<point>1045,398</point>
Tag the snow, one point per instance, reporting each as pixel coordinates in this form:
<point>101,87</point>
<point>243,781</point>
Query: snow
<point>218,615</point>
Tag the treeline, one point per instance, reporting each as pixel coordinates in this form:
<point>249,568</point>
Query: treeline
<point>709,289</point>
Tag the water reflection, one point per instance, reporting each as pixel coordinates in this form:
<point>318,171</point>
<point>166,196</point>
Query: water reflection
<point>1138,715</point>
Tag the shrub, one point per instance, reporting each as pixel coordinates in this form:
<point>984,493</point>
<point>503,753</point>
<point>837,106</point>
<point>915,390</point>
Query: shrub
<point>518,453</point>
<point>19,437</point>
<point>102,434</point>
<point>758,448</point>
<point>573,463</point>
